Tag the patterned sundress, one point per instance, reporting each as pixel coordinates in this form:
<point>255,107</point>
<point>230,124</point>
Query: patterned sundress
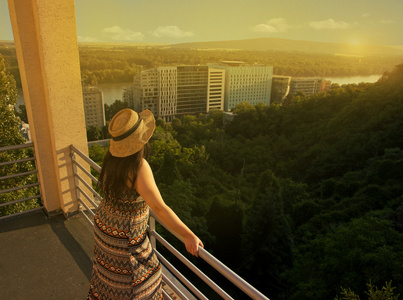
<point>125,265</point>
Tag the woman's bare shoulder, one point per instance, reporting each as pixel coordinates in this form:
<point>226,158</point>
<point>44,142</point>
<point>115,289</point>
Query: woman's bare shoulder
<point>144,167</point>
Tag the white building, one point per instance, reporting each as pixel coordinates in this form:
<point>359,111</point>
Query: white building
<point>93,106</point>
<point>146,91</point>
<point>243,82</point>
<point>173,91</point>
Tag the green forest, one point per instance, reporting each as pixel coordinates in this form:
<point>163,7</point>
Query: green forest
<point>118,64</point>
<point>304,200</point>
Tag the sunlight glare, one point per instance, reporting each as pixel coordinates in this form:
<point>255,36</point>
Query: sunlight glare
<point>355,42</point>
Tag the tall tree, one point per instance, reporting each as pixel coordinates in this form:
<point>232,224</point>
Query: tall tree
<point>94,133</point>
<point>11,135</point>
<point>267,240</point>
<point>111,110</point>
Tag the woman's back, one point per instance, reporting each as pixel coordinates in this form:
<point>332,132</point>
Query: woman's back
<point>125,266</point>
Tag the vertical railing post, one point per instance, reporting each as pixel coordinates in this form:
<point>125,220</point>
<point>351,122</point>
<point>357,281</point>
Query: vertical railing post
<point>76,181</point>
<point>37,175</point>
<point>152,228</point>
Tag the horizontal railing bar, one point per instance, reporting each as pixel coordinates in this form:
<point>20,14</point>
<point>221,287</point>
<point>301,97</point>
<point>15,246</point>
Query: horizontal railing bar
<point>191,266</point>
<point>86,196</point>
<point>19,188</point>
<point>87,207</point>
<point>231,275</point>
<point>16,147</point>
<point>86,172</point>
<point>220,267</point>
<point>85,215</point>
<point>87,159</point>
<point>89,187</point>
<point>179,275</point>
<point>166,295</point>
<point>16,161</point>
<point>19,174</point>
<point>22,212</point>
<point>174,287</point>
<point>20,200</point>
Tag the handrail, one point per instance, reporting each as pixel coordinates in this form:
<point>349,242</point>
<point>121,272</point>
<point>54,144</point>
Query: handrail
<point>86,158</point>
<point>191,266</point>
<point>17,175</point>
<point>16,161</point>
<point>19,188</point>
<point>204,254</point>
<point>178,275</point>
<point>16,147</point>
<point>219,266</point>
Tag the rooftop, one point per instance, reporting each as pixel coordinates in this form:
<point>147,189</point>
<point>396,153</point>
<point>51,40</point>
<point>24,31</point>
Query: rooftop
<point>231,62</point>
<point>42,256</point>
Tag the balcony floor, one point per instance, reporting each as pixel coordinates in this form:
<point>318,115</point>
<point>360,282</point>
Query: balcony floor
<point>45,258</point>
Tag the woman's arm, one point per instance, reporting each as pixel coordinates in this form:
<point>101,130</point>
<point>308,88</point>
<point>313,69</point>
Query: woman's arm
<point>147,188</point>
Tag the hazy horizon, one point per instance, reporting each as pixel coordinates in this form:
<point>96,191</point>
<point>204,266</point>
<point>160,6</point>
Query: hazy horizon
<point>357,22</point>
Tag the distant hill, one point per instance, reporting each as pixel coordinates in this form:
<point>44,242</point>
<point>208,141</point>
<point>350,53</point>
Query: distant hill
<point>263,44</point>
<point>285,45</point>
<point>119,45</point>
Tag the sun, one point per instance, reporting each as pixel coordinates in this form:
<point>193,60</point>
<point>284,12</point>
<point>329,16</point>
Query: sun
<point>355,42</point>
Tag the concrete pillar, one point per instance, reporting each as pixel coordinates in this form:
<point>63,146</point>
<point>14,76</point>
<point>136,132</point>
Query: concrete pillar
<point>45,39</point>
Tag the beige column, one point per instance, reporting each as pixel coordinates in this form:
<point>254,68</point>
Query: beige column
<point>45,39</point>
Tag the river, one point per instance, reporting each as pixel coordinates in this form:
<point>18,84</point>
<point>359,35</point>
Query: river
<point>114,91</point>
<point>354,79</point>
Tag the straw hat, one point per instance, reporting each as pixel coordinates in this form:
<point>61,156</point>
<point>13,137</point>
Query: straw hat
<point>130,131</point>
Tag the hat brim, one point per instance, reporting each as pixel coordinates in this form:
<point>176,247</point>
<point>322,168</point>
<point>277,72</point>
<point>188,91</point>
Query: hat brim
<point>136,141</point>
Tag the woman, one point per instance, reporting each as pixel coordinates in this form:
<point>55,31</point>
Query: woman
<point>125,265</point>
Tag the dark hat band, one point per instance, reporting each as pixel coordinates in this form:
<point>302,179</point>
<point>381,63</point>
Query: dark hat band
<point>129,132</point>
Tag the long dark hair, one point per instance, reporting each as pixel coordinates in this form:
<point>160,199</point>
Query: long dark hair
<point>117,171</point>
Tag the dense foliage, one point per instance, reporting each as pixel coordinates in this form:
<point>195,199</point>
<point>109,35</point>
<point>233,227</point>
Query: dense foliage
<point>299,199</point>
<point>10,135</point>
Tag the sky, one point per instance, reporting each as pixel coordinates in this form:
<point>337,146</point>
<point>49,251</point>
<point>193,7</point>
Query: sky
<point>364,22</point>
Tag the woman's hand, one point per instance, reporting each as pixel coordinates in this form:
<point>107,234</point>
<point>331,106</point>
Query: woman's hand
<point>192,244</point>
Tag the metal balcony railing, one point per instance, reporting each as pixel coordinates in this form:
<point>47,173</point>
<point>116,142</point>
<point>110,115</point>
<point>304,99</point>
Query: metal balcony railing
<point>88,204</point>
<point>26,190</point>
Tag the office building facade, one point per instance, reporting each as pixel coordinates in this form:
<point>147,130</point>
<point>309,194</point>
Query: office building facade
<point>93,107</point>
<point>308,85</point>
<point>170,92</point>
<point>146,91</point>
<point>167,88</point>
<point>244,82</point>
